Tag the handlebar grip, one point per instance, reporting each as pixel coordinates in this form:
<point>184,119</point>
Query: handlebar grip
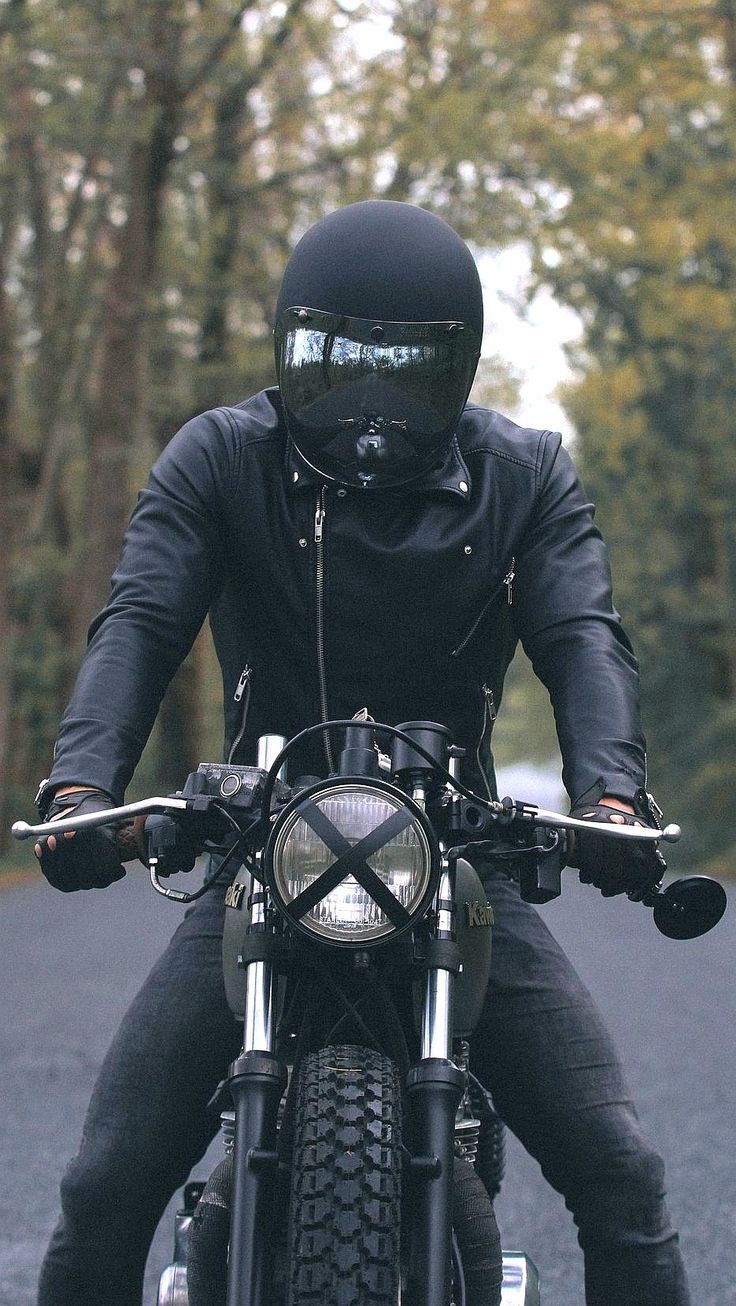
<point>126,840</point>
<point>126,837</point>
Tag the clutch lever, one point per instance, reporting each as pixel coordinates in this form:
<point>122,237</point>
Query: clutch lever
<point>110,816</point>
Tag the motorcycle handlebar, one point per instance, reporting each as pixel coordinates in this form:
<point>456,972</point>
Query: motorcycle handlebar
<point>684,910</point>
<point>507,809</point>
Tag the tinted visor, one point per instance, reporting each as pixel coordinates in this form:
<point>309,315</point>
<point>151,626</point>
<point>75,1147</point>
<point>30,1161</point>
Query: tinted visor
<point>342,377</point>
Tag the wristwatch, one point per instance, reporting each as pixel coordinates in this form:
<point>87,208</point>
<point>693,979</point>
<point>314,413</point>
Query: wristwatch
<point>44,797</point>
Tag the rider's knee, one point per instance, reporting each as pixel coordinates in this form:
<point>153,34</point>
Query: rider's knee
<point>621,1199</point>
<point>93,1190</point>
<point>611,1177</point>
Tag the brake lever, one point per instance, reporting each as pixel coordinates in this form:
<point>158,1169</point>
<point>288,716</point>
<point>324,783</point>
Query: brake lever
<point>519,811</point>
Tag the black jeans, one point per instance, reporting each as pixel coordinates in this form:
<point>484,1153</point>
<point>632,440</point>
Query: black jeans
<point>544,1051</point>
<point>541,1048</point>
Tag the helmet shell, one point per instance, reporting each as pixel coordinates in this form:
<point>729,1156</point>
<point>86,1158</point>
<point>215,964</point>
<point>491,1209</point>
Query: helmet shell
<point>378,331</point>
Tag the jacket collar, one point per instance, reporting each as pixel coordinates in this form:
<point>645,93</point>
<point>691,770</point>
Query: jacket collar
<point>451,477</point>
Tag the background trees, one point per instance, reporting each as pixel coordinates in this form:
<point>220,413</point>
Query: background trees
<point>159,160</point>
<point>645,247</point>
<point>602,134</point>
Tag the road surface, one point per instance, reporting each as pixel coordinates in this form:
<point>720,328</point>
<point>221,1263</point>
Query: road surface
<point>69,965</point>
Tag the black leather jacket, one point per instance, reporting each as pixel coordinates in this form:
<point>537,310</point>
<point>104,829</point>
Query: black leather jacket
<point>407,602</point>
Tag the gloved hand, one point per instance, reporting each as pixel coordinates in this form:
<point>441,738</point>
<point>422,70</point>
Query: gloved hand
<point>613,865</point>
<point>88,859</point>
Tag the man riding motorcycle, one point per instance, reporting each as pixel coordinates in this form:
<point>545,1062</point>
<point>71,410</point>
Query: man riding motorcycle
<point>362,536</point>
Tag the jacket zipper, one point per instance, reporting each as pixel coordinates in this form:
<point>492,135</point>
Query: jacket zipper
<point>242,693</point>
<point>319,521</point>
<point>486,730</point>
<point>508,581</point>
<point>508,584</point>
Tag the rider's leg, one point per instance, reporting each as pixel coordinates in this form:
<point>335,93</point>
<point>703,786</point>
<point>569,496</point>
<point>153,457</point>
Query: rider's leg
<point>147,1123</point>
<point>543,1050</point>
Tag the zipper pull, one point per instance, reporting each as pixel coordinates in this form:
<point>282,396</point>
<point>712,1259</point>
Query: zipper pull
<point>509,581</point>
<point>490,703</point>
<point>245,676</point>
<point>319,517</point>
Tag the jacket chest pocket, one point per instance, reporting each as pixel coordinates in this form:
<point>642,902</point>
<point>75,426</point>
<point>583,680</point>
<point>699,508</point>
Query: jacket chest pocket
<point>496,607</point>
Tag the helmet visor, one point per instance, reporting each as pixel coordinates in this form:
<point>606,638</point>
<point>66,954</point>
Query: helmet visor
<point>338,372</point>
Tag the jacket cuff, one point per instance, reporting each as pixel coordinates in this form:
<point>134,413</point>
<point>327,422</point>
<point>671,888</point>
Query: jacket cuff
<point>47,791</point>
<point>619,786</point>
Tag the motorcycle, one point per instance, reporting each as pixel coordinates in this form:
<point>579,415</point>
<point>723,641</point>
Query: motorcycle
<point>361,1155</point>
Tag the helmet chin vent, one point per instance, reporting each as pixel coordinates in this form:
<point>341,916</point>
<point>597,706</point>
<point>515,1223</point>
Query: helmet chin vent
<point>372,448</point>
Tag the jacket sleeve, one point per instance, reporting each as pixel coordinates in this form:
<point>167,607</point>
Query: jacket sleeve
<point>171,566</point>
<point>573,636</point>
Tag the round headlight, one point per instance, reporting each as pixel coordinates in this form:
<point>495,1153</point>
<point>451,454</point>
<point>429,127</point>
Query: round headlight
<point>352,863</point>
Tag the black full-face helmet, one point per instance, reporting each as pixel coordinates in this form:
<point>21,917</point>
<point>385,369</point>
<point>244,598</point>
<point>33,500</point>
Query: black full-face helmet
<point>378,331</point>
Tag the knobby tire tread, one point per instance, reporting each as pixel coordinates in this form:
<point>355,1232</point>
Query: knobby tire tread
<point>344,1216</point>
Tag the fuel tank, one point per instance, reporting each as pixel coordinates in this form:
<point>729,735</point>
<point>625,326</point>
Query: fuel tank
<point>474,926</point>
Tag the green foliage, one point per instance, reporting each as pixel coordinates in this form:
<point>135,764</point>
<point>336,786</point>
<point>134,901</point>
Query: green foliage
<point>646,251</point>
<point>525,729</point>
<point>602,134</point>
<point>162,157</point>
<point>496,385</point>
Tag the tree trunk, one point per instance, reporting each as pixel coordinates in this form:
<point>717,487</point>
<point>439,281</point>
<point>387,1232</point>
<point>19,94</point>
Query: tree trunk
<point>117,403</point>
<point>181,716</point>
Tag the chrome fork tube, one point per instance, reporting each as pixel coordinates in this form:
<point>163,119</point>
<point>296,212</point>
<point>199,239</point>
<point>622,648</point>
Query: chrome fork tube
<point>436,1036</point>
<point>258,1031</point>
<point>258,1015</point>
<point>269,747</point>
<point>256,1082</point>
<point>436,1040</point>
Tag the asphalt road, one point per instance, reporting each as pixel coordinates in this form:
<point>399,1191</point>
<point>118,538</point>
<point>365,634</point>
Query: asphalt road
<point>68,966</point>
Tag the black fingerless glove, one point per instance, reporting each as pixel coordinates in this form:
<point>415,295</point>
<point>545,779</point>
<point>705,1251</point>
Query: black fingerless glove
<point>613,865</point>
<point>89,860</point>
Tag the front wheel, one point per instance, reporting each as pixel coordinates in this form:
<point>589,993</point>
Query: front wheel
<point>345,1209</point>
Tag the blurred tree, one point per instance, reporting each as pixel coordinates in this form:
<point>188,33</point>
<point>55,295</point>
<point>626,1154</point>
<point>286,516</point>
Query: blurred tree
<point>642,241</point>
<point>160,158</point>
<point>603,134</point>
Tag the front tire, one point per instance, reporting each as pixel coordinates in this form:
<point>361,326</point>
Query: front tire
<point>344,1217</point>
